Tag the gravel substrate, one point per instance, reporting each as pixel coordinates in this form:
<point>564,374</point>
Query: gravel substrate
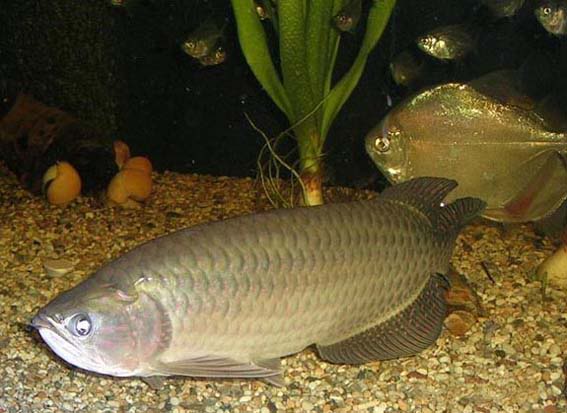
<point>510,361</point>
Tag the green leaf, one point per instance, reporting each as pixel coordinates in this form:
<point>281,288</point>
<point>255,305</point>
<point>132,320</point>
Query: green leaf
<point>319,15</point>
<point>293,55</point>
<point>255,48</point>
<point>296,78</point>
<point>333,42</point>
<point>378,16</point>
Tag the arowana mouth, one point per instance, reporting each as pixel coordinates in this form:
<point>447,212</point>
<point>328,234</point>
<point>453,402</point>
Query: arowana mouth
<point>63,346</point>
<point>49,332</point>
<point>41,320</point>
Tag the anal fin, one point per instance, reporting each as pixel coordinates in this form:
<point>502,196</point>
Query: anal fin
<point>407,333</point>
<point>276,380</point>
<point>213,366</point>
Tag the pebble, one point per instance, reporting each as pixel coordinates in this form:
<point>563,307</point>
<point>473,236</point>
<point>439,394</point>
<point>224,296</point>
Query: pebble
<point>550,408</point>
<point>459,322</point>
<point>554,350</point>
<point>57,267</point>
<point>558,361</point>
<point>381,408</point>
<point>445,359</point>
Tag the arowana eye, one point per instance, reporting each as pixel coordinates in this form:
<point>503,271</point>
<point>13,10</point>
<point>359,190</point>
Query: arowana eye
<point>80,325</point>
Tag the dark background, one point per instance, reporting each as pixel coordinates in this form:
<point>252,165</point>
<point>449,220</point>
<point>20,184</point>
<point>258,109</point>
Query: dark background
<point>122,70</point>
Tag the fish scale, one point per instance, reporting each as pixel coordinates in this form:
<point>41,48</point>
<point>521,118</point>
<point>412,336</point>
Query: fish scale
<point>230,298</point>
<point>261,246</point>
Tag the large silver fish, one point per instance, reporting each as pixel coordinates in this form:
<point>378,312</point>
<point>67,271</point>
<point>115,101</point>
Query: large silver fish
<point>498,152</point>
<point>228,299</point>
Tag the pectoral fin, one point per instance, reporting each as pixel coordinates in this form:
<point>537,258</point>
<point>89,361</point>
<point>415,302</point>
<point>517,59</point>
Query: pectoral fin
<point>212,366</point>
<point>405,334</point>
<point>542,195</point>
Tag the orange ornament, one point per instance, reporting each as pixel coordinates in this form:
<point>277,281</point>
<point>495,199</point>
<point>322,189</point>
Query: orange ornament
<point>139,163</point>
<point>129,185</point>
<point>62,183</point>
<point>121,153</point>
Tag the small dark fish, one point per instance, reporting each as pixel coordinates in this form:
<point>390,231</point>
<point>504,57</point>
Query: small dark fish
<point>552,14</point>
<point>125,5</point>
<point>348,17</point>
<point>405,68</point>
<point>451,42</point>
<point>506,87</point>
<point>264,9</point>
<point>218,56</point>
<point>202,41</point>
<point>503,8</point>
<point>553,110</point>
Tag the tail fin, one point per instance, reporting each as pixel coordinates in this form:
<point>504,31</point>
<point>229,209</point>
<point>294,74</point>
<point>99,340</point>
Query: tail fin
<point>427,193</point>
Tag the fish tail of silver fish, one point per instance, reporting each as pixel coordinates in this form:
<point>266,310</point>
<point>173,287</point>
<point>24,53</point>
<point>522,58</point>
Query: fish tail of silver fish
<point>427,195</point>
<point>405,334</point>
<point>418,325</point>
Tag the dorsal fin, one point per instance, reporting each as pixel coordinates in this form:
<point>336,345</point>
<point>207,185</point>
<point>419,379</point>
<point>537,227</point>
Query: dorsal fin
<point>425,194</point>
<point>453,216</point>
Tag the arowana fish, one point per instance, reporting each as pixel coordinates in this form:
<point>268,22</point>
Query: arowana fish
<point>228,299</point>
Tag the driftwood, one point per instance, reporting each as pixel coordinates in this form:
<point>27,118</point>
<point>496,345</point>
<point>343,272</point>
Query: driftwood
<point>34,136</point>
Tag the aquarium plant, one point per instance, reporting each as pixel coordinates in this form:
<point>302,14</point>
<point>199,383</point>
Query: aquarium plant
<point>302,84</point>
